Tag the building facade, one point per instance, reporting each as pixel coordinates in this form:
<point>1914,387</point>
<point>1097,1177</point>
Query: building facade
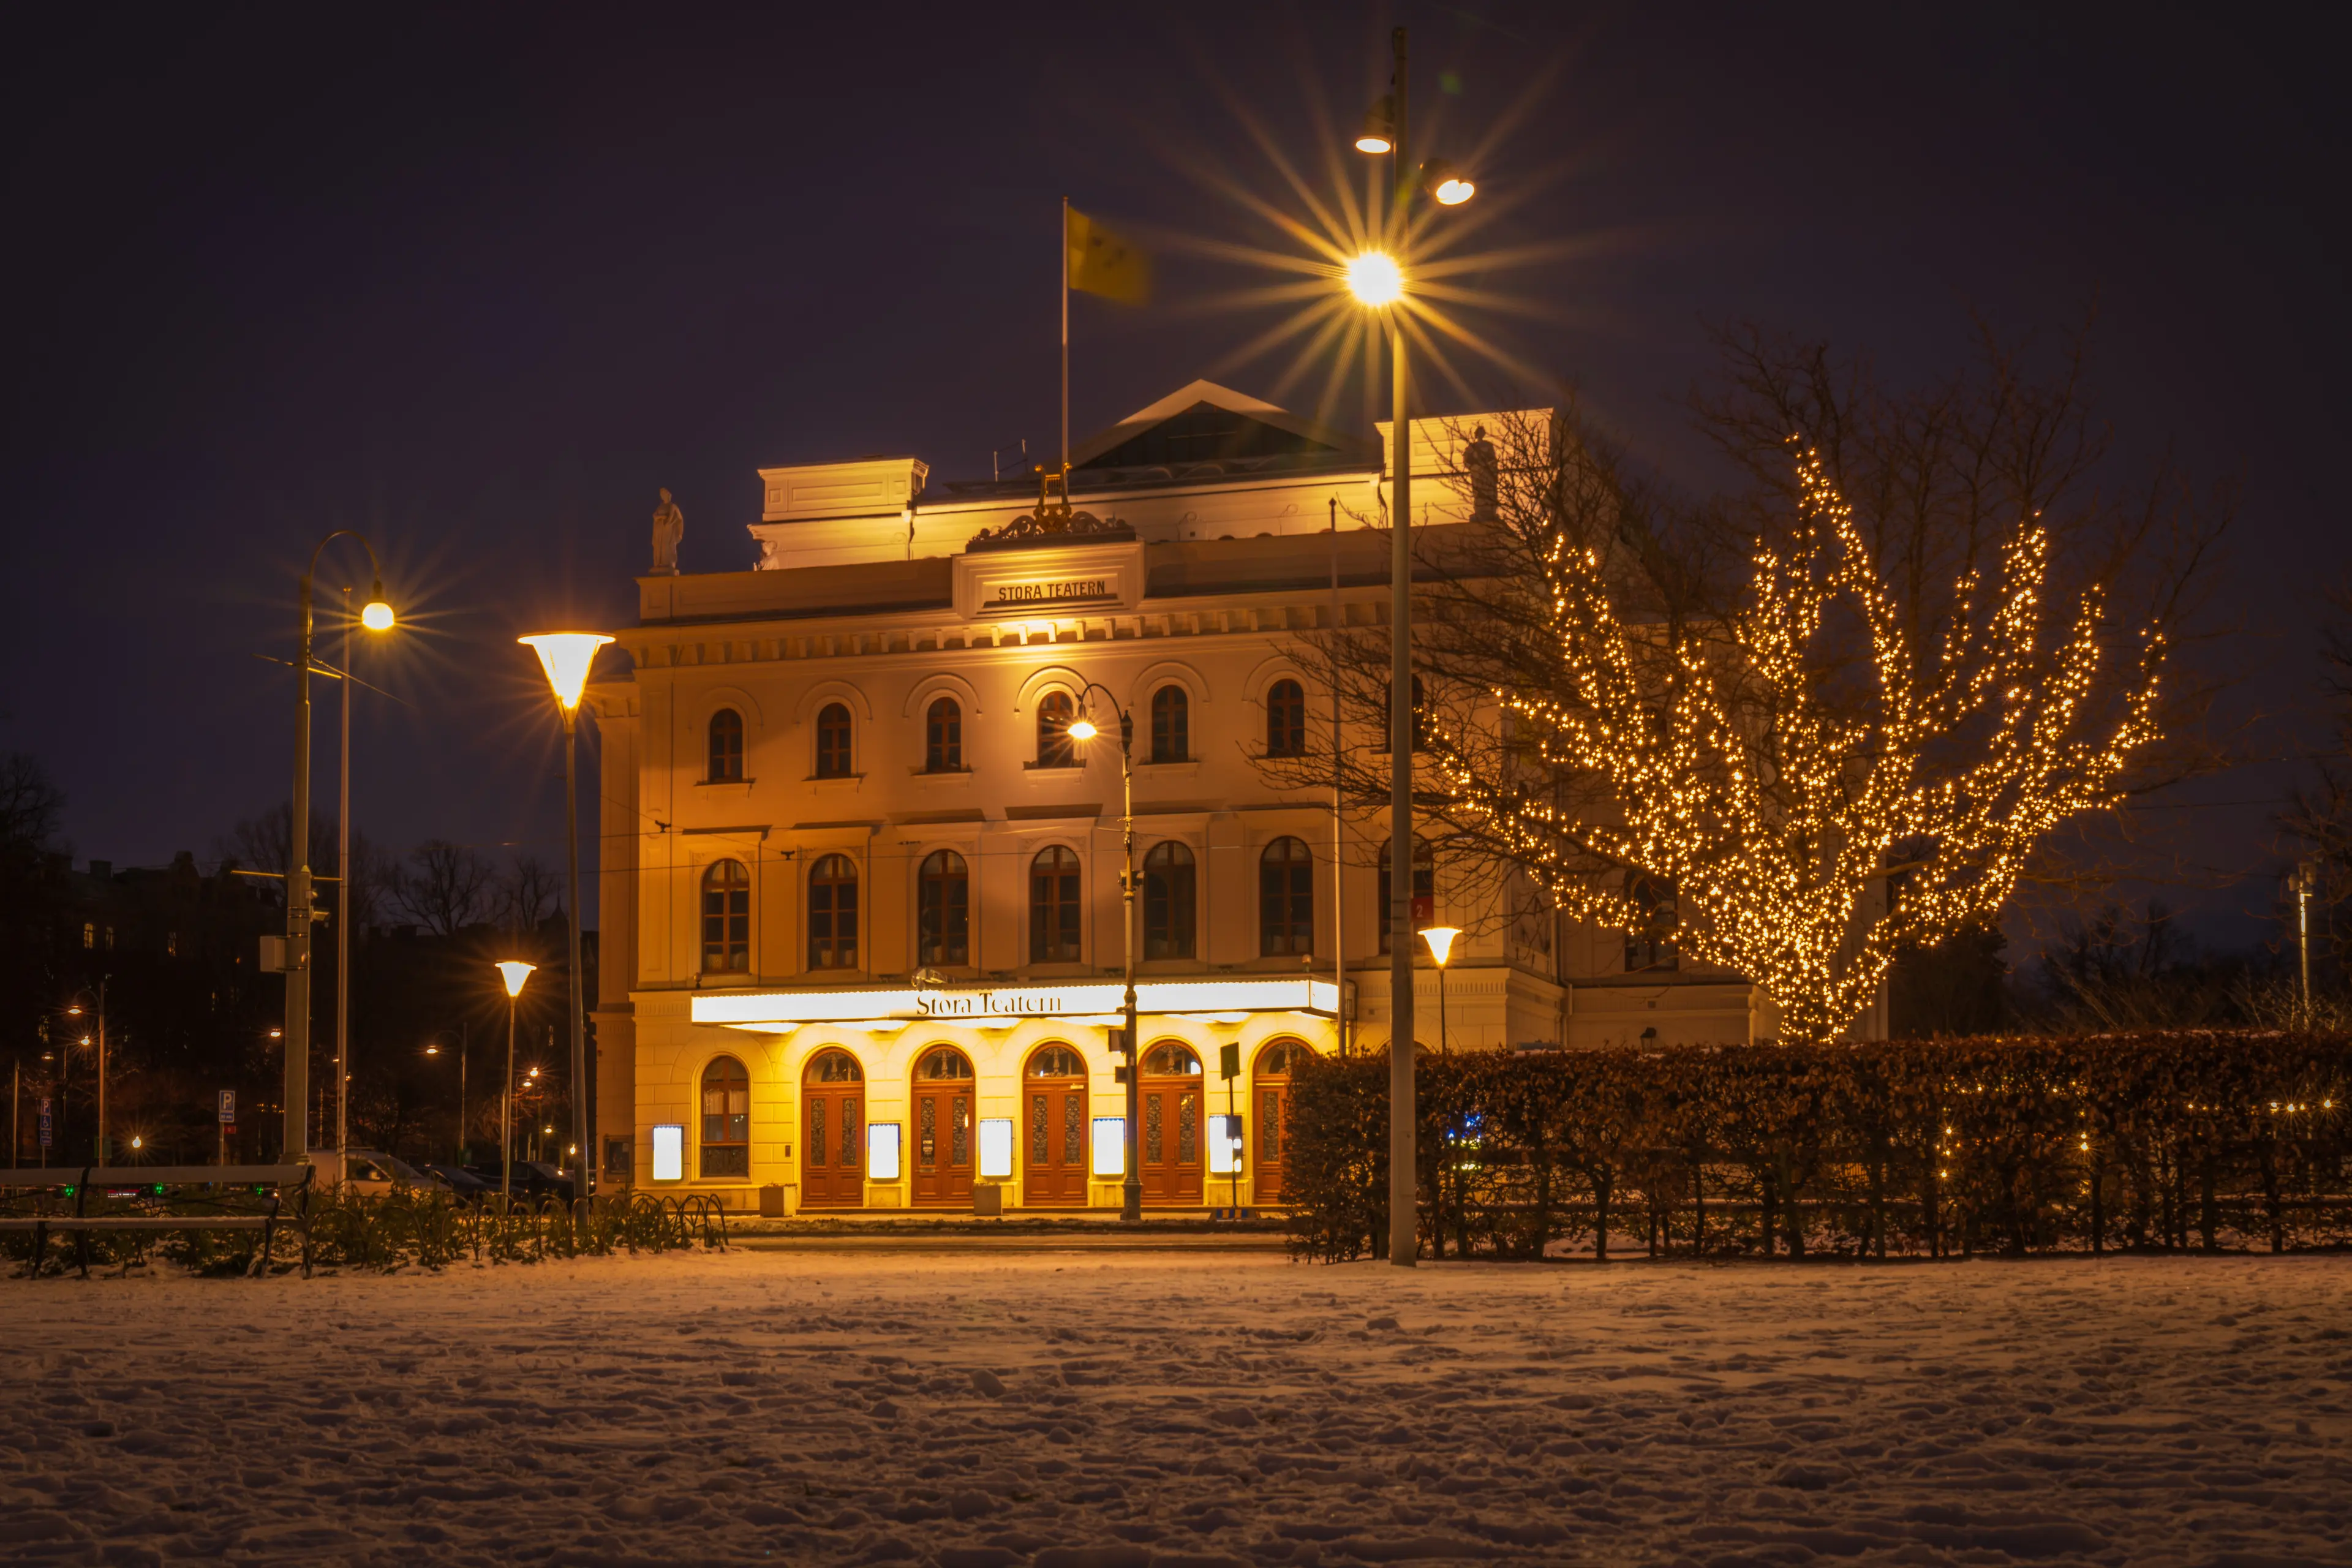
<point>861,883</point>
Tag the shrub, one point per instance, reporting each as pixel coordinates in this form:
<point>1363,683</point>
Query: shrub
<point>1925,1148</point>
<point>407,1228</point>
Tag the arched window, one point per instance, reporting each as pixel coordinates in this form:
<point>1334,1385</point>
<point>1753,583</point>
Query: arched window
<point>944,1062</point>
<point>1280,1059</point>
<point>1055,747</point>
<point>1168,921</point>
<point>726,919</point>
<point>1054,906</point>
<point>833,913</point>
<point>943,910</point>
<point>1651,945</point>
<point>726,1119</point>
<point>1286,899</point>
<point>1056,1061</point>
<point>835,1067</point>
<point>1170,1058</point>
<point>1172,725</point>
<point>726,746</point>
<point>943,737</point>
<point>833,737</point>
<point>1424,887</point>
<point>1286,719</point>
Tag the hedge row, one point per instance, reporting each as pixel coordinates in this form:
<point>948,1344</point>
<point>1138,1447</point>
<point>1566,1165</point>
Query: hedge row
<point>1927,1148</point>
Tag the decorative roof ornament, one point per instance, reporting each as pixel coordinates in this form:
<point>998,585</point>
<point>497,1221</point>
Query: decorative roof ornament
<point>1053,523</point>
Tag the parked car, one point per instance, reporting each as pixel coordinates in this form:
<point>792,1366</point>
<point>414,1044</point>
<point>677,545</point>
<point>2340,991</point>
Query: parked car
<point>533,1180</point>
<point>375,1173</point>
<point>466,1185</point>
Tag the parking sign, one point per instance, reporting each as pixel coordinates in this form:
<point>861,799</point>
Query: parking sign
<point>45,1122</point>
<point>228,1107</point>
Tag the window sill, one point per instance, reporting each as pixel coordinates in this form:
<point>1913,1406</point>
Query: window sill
<point>1186,769</point>
<point>835,783</point>
<point>723,979</point>
<point>943,778</point>
<point>1053,767</point>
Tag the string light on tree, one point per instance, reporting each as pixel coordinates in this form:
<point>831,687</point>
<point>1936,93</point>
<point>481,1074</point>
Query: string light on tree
<point>1774,764</point>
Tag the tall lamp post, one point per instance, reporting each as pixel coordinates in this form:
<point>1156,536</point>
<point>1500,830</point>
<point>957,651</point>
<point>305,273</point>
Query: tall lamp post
<point>566,656</point>
<point>1440,941</point>
<point>1377,279</point>
<point>513,971</point>
<point>376,617</point>
<point>1083,729</point>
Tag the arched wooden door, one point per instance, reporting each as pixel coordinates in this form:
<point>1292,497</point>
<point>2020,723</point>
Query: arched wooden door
<point>1172,1131</point>
<point>1270,1105</point>
<point>1054,1123</point>
<point>833,1131</point>
<point>944,1128</point>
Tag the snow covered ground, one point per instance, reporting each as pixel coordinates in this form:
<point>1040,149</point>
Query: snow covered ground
<point>1088,1411</point>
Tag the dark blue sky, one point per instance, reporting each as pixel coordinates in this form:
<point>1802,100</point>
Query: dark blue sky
<point>479,282</point>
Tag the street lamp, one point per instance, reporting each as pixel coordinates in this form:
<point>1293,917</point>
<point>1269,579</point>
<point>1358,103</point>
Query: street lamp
<point>376,617</point>
<point>567,657</point>
<point>74,1010</point>
<point>1083,729</point>
<point>513,971</point>
<point>1377,279</point>
<point>433,1048</point>
<point>1441,947</point>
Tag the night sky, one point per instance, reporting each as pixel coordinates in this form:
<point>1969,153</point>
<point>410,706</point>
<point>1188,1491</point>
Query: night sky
<point>479,283</point>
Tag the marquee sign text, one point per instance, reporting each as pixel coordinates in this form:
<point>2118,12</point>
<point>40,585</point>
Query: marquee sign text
<point>1075,590</point>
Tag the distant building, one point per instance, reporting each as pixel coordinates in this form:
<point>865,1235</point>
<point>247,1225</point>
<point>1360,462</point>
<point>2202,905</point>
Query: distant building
<point>861,890</point>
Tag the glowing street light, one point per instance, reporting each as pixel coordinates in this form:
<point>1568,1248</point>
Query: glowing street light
<point>1445,184</point>
<point>1440,939</point>
<point>1375,279</point>
<point>567,657</point>
<point>1379,134</point>
<point>513,971</point>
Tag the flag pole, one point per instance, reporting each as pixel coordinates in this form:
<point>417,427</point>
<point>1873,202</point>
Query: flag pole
<point>1066,347</point>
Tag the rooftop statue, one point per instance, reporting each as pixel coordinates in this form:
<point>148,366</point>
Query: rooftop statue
<point>669,527</point>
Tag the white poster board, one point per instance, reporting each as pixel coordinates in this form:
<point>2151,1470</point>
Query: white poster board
<point>669,1152</point>
<point>1110,1146</point>
<point>996,1147</point>
<point>1224,1146</point>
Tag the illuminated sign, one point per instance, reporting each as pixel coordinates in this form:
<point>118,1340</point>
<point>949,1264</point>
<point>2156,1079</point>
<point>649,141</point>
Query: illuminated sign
<point>882,1151</point>
<point>1069,591</point>
<point>998,1006</point>
<point>1110,1146</point>
<point>996,1147</point>
<point>669,1152</point>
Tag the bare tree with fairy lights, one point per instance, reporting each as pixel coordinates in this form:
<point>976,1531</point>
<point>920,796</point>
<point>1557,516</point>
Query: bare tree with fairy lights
<point>1794,737</point>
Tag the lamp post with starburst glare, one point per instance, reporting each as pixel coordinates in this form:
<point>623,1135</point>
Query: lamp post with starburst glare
<point>1380,280</point>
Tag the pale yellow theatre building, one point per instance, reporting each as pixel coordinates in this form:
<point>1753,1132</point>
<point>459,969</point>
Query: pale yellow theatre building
<point>860,889</point>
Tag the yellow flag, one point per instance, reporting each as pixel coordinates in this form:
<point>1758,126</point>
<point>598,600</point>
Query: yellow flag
<point>1102,263</point>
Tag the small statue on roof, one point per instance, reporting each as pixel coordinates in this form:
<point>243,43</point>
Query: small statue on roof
<point>669,527</point>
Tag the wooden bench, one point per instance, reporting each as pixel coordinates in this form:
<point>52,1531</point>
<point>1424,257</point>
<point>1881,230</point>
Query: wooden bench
<point>223,1197</point>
